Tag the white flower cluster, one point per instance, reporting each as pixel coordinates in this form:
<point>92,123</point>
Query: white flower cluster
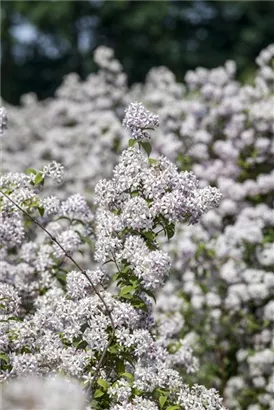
<point>58,320</point>
<point>224,266</point>
<point>139,120</point>
<point>222,281</point>
<point>54,170</point>
<point>140,196</point>
<point>31,269</point>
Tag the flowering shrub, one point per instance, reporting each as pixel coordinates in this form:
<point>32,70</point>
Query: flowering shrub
<point>224,265</point>
<point>97,325</point>
<point>218,299</point>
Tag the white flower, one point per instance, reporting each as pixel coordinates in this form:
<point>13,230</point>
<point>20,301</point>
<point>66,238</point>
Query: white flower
<point>136,214</point>
<point>139,120</point>
<point>54,170</point>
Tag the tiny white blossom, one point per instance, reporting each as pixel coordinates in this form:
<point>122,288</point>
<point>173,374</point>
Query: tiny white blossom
<point>139,120</point>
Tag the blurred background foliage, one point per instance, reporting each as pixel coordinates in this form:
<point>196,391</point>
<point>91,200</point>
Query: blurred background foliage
<point>44,40</point>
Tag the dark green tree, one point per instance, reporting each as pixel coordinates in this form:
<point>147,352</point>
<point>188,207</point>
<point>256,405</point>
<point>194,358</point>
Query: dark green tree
<point>178,34</point>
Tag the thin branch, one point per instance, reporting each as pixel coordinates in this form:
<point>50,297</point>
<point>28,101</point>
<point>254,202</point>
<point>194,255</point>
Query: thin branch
<point>100,363</point>
<point>115,262</point>
<point>161,230</point>
<point>34,220</point>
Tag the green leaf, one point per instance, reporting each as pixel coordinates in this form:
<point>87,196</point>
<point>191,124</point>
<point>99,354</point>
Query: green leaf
<point>139,303</point>
<point>120,366</point>
<point>5,357</point>
<point>30,171</point>
<point>127,290</point>
<point>120,282</point>
<point>17,319</point>
<point>153,161</point>
<point>150,235</point>
<point>98,393</point>
<point>126,269</point>
<point>113,349</point>
<point>115,276</point>
<point>146,146</point>
<point>173,408</point>
<point>103,383</point>
<point>170,230</point>
<point>162,400</point>
<point>127,296</point>
<point>134,283</point>
<point>129,376</point>
<point>41,210</point>
<point>132,142</point>
<point>38,179</point>
<point>81,344</point>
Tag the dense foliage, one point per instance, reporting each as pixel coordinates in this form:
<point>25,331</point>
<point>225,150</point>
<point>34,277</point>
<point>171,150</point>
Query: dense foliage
<point>81,300</point>
<point>43,41</point>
